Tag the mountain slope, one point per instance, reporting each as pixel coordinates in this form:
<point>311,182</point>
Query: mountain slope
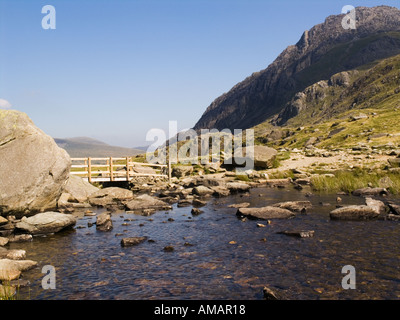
<point>352,107</point>
<point>323,51</point>
<point>83,147</point>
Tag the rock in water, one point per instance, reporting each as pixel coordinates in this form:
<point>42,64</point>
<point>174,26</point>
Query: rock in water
<point>298,234</point>
<point>265,213</point>
<point>370,192</point>
<point>377,205</point>
<point>196,211</point>
<point>13,254</point>
<point>393,217</point>
<point>235,187</point>
<point>33,169</point>
<point>46,222</point>
<point>144,202</point>
<point>354,213</point>
<point>128,242</point>
<point>104,222</point>
<point>395,209</point>
<point>296,206</point>
<point>269,294</point>
<point>202,191</point>
<point>11,269</point>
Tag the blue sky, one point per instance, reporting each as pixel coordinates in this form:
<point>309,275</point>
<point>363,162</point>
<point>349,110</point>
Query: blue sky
<point>114,69</point>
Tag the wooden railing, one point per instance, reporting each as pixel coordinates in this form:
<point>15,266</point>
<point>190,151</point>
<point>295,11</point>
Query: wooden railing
<point>115,169</point>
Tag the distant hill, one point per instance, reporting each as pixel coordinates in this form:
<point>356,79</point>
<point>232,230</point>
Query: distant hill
<point>82,147</point>
<point>143,148</point>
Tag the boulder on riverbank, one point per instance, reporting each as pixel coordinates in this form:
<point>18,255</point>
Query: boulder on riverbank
<point>79,189</point>
<point>13,254</point>
<point>235,187</point>
<point>181,171</point>
<point>264,157</point>
<point>202,191</point>
<point>265,213</point>
<point>46,222</point>
<point>145,201</point>
<point>33,169</point>
<point>110,196</point>
<point>11,269</point>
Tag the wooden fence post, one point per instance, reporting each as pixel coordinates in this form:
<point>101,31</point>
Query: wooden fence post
<point>127,169</point>
<point>111,169</point>
<point>89,166</point>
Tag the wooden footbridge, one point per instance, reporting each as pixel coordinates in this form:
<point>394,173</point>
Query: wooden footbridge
<point>116,169</point>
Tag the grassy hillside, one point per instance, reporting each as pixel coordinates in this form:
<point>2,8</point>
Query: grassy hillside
<point>87,147</point>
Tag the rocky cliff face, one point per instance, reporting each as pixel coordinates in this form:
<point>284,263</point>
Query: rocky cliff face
<point>323,51</point>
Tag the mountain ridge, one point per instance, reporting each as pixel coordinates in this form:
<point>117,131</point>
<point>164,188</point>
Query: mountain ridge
<point>265,93</point>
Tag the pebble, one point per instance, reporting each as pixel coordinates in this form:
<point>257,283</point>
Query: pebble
<point>168,249</point>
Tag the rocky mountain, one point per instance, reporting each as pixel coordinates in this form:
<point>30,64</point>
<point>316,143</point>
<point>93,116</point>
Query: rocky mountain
<point>323,51</point>
<point>88,147</point>
<point>351,107</point>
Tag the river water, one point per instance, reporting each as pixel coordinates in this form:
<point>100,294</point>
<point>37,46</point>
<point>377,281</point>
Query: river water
<point>227,258</point>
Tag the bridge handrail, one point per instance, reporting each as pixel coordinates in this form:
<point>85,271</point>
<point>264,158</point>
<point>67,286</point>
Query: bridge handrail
<point>109,170</point>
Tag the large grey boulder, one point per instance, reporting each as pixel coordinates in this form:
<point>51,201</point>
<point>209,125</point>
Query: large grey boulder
<point>202,191</point>
<point>354,212</point>
<point>104,222</point>
<point>79,189</point>
<point>181,171</point>
<point>145,201</point>
<point>296,206</point>
<point>129,242</point>
<point>264,157</point>
<point>370,192</point>
<point>265,213</point>
<point>235,187</point>
<point>33,169</point>
<point>46,222</point>
<point>110,196</point>
<point>377,205</point>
